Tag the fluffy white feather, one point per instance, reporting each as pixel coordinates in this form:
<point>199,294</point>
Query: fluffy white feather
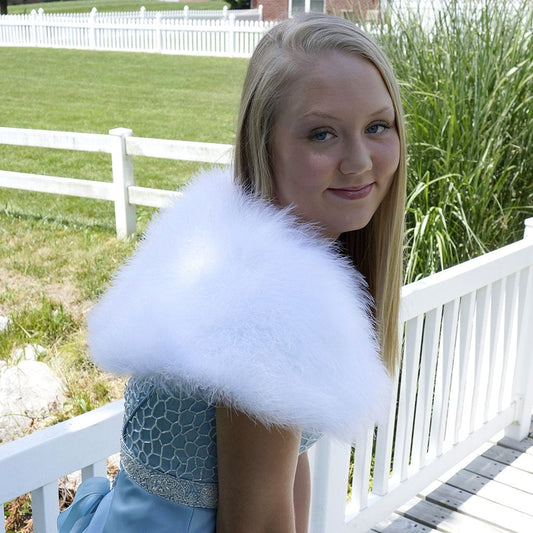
<point>232,296</point>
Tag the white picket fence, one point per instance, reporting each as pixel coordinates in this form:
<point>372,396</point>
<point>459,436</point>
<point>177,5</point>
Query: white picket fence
<point>466,374</point>
<point>187,32</point>
<point>142,14</point>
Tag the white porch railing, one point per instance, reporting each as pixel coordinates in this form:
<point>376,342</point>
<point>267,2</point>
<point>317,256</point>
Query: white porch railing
<point>35,463</point>
<point>466,374</point>
<point>186,32</point>
<point>467,370</point>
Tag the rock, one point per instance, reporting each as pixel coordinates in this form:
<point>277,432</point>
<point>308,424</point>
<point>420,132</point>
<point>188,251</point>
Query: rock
<point>29,392</point>
<point>30,352</point>
<point>4,323</point>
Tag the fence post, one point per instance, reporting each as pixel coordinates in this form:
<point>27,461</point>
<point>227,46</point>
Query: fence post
<point>42,33</point>
<point>33,28</point>
<point>523,378</point>
<point>230,42</point>
<point>186,12</point>
<point>158,32</point>
<point>224,12</point>
<point>260,9</point>
<point>122,165</point>
<point>92,29</point>
<point>528,230</point>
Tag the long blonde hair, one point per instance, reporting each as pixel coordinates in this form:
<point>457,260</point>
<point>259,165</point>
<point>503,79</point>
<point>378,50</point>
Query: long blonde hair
<point>279,58</point>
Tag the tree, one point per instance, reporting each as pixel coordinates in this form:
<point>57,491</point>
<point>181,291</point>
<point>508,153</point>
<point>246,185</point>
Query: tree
<point>3,7</point>
<point>238,4</point>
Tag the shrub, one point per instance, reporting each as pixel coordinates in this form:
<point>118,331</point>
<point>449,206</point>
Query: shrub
<point>468,95</point>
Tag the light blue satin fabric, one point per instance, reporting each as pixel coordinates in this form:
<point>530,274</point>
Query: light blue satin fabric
<point>81,512</point>
<point>128,508</point>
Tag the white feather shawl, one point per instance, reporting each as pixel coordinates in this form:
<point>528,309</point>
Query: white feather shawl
<point>232,296</point>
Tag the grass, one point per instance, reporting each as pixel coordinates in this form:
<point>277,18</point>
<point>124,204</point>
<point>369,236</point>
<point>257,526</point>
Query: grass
<point>85,6</point>
<point>468,88</point>
<point>156,95</point>
<point>175,97</point>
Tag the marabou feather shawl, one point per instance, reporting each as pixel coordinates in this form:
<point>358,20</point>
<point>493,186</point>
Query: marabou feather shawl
<point>231,296</point>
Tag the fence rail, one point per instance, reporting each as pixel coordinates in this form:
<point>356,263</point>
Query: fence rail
<point>466,372</point>
<point>122,146</point>
<point>185,32</point>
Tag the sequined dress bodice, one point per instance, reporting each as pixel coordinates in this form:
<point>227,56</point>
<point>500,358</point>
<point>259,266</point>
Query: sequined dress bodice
<point>169,443</point>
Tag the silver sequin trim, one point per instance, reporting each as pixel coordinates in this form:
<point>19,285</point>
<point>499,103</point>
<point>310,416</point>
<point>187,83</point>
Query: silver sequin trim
<point>182,491</point>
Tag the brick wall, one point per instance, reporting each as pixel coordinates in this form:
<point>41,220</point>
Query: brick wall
<point>272,9</point>
<point>278,9</point>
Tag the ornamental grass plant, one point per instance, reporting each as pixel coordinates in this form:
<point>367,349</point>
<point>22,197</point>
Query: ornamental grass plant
<point>467,82</point>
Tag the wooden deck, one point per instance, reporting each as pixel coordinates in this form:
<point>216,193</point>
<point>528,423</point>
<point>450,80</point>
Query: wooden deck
<point>487,493</point>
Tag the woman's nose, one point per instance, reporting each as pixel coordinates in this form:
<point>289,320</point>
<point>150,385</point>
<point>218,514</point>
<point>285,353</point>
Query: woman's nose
<point>357,158</point>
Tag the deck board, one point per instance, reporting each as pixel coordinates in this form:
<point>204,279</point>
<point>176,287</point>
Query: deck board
<point>444,519</point>
<point>479,508</point>
<point>506,474</point>
<point>524,446</point>
<point>491,493</point>
<point>511,457</point>
<point>400,524</point>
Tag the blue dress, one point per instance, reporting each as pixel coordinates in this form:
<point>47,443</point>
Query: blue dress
<point>168,476</point>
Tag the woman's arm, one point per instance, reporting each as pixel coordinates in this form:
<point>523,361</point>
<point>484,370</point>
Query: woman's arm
<point>256,475</point>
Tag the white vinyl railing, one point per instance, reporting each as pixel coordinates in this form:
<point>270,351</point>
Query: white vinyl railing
<point>35,463</point>
<point>466,373</point>
<point>223,33</point>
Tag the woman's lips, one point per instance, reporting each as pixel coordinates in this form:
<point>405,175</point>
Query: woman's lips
<point>352,193</point>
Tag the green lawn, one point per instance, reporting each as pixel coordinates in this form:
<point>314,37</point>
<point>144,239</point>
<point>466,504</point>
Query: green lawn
<point>83,6</point>
<point>159,96</point>
<point>177,97</point>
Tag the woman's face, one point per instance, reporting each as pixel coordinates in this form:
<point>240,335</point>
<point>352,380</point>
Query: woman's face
<point>335,146</point>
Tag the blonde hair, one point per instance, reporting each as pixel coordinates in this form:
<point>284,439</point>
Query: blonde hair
<point>279,58</point>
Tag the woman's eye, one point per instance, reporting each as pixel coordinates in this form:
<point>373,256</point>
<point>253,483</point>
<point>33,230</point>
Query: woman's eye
<point>321,135</point>
<point>377,128</point>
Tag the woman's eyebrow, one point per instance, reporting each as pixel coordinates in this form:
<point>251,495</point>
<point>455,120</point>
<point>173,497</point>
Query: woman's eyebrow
<point>324,115</point>
<point>318,114</point>
<point>385,109</point>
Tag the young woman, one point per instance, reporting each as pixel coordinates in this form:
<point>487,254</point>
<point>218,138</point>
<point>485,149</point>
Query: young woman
<point>244,317</point>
